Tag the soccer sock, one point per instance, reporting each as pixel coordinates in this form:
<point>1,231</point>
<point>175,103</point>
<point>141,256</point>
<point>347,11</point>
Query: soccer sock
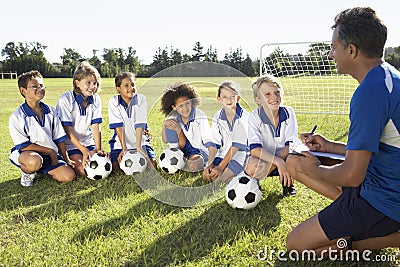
<point>172,137</point>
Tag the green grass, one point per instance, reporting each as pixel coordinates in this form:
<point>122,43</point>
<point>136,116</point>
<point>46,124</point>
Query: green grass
<point>113,222</point>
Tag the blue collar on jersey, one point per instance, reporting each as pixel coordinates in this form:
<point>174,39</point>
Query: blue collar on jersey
<point>29,112</point>
<point>283,116</point>
<point>134,101</point>
<point>191,118</point>
<point>79,99</point>
<point>239,112</point>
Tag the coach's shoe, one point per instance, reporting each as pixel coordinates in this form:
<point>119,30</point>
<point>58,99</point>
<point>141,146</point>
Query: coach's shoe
<point>288,191</point>
<point>27,178</point>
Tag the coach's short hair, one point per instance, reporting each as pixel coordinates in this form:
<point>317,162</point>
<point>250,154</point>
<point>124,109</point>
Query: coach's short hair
<point>362,27</point>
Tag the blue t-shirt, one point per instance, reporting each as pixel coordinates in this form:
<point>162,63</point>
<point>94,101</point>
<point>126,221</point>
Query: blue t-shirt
<point>375,126</point>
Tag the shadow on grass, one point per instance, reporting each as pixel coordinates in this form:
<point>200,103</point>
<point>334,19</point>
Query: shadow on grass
<point>48,198</point>
<point>216,226</point>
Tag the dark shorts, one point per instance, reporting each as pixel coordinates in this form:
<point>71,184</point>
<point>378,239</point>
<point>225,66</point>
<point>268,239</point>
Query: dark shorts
<point>77,151</point>
<point>188,150</point>
<point>233,165</point>
<point>351,215</point>
<point>149,150</point>
<point>47,167</point>
<point>274,173</point>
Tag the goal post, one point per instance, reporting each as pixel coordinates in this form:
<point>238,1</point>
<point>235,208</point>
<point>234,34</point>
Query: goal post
<point>308,76</point>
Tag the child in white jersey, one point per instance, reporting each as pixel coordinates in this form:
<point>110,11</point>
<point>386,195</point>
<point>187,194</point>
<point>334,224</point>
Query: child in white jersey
<point>186,126</point>
<point>229,130</point>
<point>38,136</point>
<point>127,113</point>
<point>272,127</point>
<point>80,114</point>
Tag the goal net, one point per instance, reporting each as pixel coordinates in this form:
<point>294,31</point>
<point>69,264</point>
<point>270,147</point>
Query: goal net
<point>308,76</point>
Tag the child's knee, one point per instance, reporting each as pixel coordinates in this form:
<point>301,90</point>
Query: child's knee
<point>195,163</point>
<point>63,174</point>
<point>32,164</point>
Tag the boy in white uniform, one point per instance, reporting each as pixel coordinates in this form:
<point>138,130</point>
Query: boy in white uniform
<point>38,136</point>
<point>229,129</point>
<point>272,127</point>
<point>127,114</point>
<point>80,114</point>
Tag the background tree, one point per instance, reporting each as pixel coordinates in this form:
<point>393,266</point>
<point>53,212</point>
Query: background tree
<point>392,55</point>
<point>248,66</point>
<point>198,52</point>
<point>94,60</point>
<point>24,57</point>
<point>211,55</point>
<point>70,59</point>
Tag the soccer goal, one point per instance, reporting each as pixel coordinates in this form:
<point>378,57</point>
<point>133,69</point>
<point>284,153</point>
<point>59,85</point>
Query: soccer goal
<point>308,76</point>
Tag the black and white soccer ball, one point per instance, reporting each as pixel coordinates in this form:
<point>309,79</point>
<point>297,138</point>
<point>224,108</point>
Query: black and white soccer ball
<point>99,167</point>
<point>133,162</point>
<point>171,160</point>
<point>243,192</point>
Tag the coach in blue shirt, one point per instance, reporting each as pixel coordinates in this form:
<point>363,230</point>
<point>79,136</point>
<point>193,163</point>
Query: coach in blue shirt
<point>365,187</point>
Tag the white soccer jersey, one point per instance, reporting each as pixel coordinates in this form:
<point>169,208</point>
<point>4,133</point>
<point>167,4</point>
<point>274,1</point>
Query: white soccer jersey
<point>226,136</point>
<point>69,109</point>
<point>197,130</point>
<point>130,117</point>
<point>263,134</point>
<point>26,128</point>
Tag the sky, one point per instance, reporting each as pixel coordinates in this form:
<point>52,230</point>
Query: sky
<point>85,25</point>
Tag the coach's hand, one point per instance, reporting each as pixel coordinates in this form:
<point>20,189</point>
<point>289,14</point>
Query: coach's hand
<point>315,142</point>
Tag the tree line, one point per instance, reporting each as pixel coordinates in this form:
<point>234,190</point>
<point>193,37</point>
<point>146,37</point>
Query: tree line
<point>22,57</point>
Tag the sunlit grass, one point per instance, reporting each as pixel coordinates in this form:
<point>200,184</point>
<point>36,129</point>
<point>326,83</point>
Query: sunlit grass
<point>113,222</point>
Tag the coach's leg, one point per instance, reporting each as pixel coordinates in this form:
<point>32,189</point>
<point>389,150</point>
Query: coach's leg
<point>308,235</point>
<point>319,186</point>
<point>392,240</point>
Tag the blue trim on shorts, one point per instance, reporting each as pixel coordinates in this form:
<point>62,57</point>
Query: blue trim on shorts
<point>233,165</point>
<point>188,150</point>
<point>351,215</point>
<point>47,167</point>
<point>77,151</point>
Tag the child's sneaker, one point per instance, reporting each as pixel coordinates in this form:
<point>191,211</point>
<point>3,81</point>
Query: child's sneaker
<point>27,178</point>
<point>289,191</point>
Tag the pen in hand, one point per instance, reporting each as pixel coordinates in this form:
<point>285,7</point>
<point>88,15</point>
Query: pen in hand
<point>313,129</point>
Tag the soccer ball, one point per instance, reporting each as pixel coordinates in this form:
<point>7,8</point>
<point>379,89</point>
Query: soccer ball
<point>133,162</point>
<point>99,167</point>
<point>172,160</point>
<point>243,192</point>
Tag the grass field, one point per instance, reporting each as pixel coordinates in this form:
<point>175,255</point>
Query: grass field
<point>113,222</point>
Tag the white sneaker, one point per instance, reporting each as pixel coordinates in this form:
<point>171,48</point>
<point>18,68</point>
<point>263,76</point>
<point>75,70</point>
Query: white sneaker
<point>27,178</point>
